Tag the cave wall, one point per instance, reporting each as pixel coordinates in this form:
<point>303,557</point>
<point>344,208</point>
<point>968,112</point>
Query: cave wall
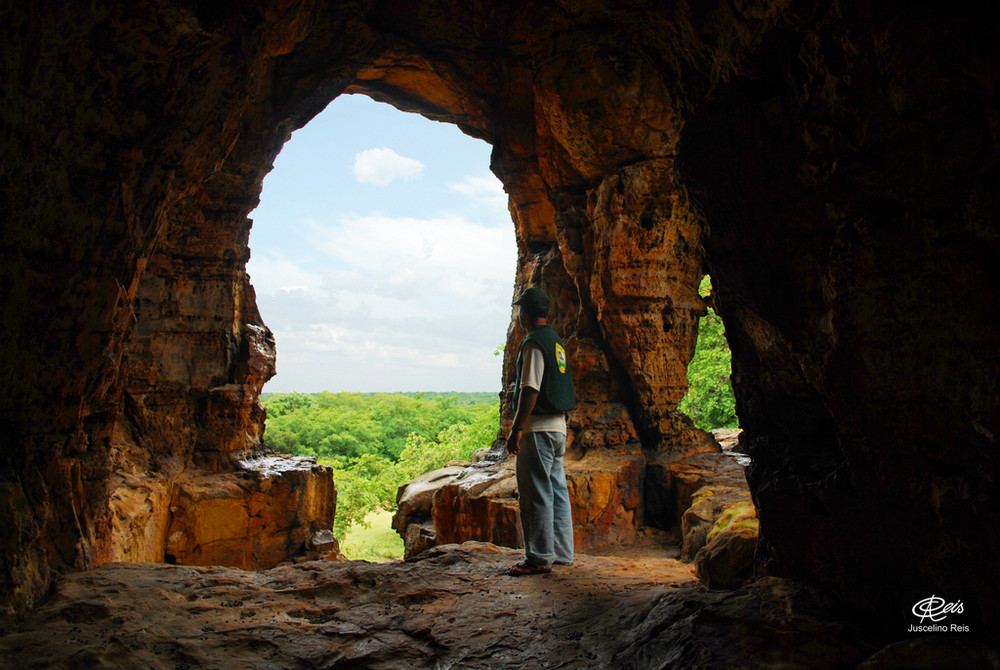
<point>856,161</point>
<point>132,348</point>
<point>833,166</point>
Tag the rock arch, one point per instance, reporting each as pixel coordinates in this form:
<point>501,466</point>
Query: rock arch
<point>837,182</point>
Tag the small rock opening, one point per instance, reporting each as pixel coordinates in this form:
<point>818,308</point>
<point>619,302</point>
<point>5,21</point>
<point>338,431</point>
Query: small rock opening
<point>709,400</point>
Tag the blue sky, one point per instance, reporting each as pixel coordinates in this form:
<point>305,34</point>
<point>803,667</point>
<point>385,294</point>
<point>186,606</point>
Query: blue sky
<point>383,255</point>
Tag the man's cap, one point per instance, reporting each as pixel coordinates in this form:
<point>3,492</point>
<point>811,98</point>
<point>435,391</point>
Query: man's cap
<point>533,297</point>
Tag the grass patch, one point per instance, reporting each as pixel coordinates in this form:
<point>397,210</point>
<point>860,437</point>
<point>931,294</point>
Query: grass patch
<point>378,543</point>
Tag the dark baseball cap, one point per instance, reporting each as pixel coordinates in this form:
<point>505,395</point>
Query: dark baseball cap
<point>534,297</point>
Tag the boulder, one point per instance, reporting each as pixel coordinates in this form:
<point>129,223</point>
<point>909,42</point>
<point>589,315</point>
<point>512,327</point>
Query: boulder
<point>479,502</point>
<point>726,560</point>
<point>254,517</point>
<point>414,503</point>
<point>605,493</point>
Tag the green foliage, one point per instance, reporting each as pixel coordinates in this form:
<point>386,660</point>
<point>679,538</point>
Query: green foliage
<point>369,482</point>
<point>353,424</point>
<point>709,400</point>
<point>364,484</point>
<point>285,403</point>
<point>373,541</point>
<point>377,442</point>
<point>455,443</point>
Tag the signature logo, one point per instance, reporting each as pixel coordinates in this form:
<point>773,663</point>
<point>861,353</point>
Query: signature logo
<point>935,608</point>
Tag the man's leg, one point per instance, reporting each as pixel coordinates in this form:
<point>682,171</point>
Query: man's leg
<point>562,518</point>
<point>534,488</point>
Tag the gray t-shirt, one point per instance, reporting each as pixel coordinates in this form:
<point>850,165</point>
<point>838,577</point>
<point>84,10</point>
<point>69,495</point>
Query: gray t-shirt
<point>532,368</point>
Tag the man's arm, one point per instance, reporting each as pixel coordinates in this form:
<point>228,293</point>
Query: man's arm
<point>525,405</point>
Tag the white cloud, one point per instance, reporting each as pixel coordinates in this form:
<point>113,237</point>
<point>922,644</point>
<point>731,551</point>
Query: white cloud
<point>486,190</point>
<point>380,355</point>
<point>390,303</point>
<point>382,166</point>
<point>322,337</point>
<point>414,298</point>
<point>274,273</point>
<point>423,258</point>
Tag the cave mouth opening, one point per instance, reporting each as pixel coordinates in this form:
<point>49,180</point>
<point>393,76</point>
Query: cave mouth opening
<point>383,260</point>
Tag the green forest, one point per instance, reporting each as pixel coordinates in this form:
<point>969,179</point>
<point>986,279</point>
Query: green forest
<point>377,441</point>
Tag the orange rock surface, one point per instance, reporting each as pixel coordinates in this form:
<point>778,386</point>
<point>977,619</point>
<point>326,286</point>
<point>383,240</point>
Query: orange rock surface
<point>252,518</point>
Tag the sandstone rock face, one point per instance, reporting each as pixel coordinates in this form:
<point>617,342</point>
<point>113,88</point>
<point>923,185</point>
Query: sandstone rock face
<point>864,181</point>
<point>250,518</point>
<point>133,351</point>
<point>140,508</point>
<point>414,509</point>
<point>605,497</point>
<point>832,165</point>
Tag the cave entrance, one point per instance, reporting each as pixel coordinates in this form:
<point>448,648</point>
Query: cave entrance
<point>382,260</point>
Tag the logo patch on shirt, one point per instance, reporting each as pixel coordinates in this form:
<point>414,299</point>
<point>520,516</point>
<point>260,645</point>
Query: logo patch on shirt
<point>560,357</point>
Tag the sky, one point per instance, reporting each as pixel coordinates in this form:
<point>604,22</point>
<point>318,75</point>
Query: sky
<point>383,255</point>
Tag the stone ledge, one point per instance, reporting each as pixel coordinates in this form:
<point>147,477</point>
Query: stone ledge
<point>252,518</point>
<point>479,502</point>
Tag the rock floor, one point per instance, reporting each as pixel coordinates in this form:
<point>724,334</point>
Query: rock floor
<point>453,607</point>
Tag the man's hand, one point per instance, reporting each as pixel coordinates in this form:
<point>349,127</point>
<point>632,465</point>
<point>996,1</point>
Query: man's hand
<point>525,404</point>
<point>514,442</point>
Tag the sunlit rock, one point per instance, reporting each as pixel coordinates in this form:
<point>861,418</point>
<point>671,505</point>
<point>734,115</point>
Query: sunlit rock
<point>725,560</point>
<point>252,518</point>
<point>414,502</point>
<point>140,507</point>
<point>480,503</point>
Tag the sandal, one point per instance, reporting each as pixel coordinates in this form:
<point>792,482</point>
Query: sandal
<point>524,568</point>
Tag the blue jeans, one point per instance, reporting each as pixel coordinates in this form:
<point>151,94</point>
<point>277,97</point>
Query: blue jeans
<point>546,521</point>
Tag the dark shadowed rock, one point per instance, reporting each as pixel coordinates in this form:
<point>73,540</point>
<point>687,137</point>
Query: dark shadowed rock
<point>452,607</point>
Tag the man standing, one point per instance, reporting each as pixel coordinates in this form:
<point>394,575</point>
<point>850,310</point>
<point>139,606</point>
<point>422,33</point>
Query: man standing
<point>542,396</point>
